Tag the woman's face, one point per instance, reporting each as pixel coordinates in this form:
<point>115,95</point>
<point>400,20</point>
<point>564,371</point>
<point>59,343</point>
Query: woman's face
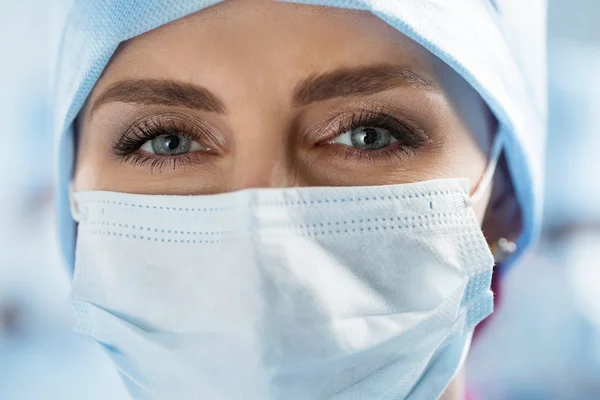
<point>266,94</point>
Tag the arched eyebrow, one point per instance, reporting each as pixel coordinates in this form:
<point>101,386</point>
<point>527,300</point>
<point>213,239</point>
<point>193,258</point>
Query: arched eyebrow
<point>161,92</point>
<point>359,81</point>
<point>343,82</point>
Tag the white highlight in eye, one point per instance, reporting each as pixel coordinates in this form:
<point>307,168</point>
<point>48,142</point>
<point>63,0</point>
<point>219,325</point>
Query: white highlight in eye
<point>352,137</point>
<point>194,146</point>
<point>147,147</point>
<point>345,139</point>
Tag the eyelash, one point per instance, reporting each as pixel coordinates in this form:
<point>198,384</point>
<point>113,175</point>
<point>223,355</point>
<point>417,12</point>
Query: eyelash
<point>410,138</point>
<point>127,146</point>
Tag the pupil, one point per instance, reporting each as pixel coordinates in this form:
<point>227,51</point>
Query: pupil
<point>370,136</point>
<point>172,142</point>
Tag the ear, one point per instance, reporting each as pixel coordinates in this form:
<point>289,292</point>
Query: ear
<point>503,217</point>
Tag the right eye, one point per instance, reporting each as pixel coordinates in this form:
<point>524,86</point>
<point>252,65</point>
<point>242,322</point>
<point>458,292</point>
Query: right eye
<point>172,145</point>
<point>366,138</point>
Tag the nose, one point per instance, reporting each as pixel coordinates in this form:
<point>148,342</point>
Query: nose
<point>265,156</point>
<point>265,166</point>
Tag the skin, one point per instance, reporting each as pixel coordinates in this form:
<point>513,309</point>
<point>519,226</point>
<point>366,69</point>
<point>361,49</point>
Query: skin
<point>253,55</point>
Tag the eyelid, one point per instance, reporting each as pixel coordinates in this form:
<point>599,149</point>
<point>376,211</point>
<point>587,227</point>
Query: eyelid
<point>155,125</point>
<point>162,164</point>
<point>340,123</point>
<point>391,154</point>
<point>147,147</point>
<point>338,140</point>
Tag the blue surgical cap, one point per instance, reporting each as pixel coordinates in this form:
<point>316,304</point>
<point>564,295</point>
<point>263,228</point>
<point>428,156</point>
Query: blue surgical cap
<point>497,46</point>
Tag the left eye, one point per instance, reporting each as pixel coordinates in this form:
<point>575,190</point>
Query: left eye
<point>171,145</point>
<point>366,138</point>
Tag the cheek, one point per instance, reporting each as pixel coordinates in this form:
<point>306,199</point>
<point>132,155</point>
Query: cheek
<point>91,172</point>
<point>464,158</point>
<point>87,174</point>
<point>470,161</point>
<point>96,168</point>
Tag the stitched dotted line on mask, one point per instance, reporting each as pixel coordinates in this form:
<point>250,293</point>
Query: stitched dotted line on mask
<point>442,216</point>
<point>287,203</point>
<point>155,230</point>
<point>155,239</point>
<point>453,222</point>
<point>469,242</point>
<point>357,199</point>
<point>146,206</point>
<point>379,229</point>
<point>413,224</point>
<point>479,282</point>
<point>469,247</point>
<point>478,311</point>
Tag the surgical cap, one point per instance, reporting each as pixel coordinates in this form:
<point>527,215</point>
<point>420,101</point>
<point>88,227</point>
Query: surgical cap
<point>496,46</point>
<point>573,192</point>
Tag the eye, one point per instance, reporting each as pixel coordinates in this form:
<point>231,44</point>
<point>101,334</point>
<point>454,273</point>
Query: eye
<point>172,145</point>
<point>366,138</point>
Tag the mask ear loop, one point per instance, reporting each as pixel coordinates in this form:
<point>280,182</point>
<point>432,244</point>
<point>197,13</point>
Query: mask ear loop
<point>75,213</point>
<point>488,175</point>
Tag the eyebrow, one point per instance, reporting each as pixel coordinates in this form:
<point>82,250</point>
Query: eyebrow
<point>161,92</point>
<point>344,82</point>
<point>360,81</point>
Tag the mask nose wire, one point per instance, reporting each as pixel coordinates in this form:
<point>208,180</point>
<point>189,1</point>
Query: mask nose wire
<point>486,178</point>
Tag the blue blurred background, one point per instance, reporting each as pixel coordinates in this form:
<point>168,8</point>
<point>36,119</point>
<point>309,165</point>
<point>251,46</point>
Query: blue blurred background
<point>543,342</point>
<point>39,357</point>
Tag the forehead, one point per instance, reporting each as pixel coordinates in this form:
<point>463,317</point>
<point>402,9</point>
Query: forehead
<point>260,40</point>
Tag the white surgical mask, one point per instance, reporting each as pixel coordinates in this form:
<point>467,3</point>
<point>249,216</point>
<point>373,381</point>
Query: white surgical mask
<point>303,293</point>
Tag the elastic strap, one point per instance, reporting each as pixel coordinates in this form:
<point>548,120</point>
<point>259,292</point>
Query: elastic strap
<point>488,175</point>
<point>75,213</point>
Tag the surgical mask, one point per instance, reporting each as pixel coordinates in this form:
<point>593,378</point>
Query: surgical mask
<point>296,293</point>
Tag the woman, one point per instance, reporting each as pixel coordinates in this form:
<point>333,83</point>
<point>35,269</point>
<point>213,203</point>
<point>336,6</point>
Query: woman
<point>271,197</point>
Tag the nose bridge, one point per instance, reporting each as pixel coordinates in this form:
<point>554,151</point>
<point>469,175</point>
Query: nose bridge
<point>262,154</point>
<point>265,168</point>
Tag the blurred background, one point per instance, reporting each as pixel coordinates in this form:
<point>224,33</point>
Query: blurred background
<point>39,356</point>
<point>543,342</point>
